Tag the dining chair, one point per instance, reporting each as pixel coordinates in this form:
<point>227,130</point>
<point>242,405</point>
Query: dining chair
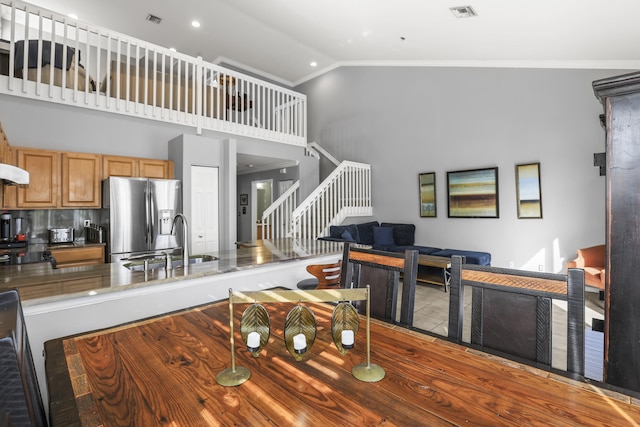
<point>20,400</point>
<point>381,271</point>
<point>511,311</point>
<point>326,276</point>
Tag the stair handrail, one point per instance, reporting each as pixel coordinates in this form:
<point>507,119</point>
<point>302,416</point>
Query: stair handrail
<point>276,219</point>
<point>321,150</point>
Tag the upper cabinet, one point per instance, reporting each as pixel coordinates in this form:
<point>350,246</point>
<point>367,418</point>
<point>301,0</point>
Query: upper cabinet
<point>70,180</point>
<point>10,192</point>
<point>119,166</point>
<point>81,180</point>
<point>150,168</point>
<point>44,175</point>
<point>136,167</point>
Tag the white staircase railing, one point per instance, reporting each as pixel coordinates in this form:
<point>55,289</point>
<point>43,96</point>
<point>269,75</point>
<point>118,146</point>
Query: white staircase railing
<point>276,219</point>
<point>345,192</point>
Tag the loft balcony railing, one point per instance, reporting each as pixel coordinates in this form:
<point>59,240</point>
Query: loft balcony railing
<point>51,57</point>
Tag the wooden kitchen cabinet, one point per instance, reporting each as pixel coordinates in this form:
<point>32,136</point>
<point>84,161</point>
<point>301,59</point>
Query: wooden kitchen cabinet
<point>70,180</point>
<point>10,192</point>
<point>136,167</point>
<point>151,168</point>
<point>44,175</point>
<point>81,175</point>
<point>76,256</point>
<point>119,166</point>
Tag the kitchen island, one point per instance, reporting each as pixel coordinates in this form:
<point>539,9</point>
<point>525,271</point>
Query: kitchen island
<point>40,282</point>
<point>96,297</point>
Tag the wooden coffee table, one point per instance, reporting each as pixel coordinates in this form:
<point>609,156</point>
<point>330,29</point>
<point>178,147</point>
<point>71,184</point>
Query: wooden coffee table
<point>438,274</point>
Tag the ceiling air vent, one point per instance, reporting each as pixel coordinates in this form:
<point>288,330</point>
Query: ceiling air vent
<point>153,18</point>
<point>463,11</point>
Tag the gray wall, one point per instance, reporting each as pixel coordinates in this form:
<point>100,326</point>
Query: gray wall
<point>408,120</point>
<point>38,124</point>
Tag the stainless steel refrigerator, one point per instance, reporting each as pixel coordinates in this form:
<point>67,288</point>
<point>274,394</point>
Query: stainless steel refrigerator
<point>138,215</point>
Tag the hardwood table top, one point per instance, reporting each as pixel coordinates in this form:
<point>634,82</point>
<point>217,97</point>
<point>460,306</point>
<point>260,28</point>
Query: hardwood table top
<point>162,371</point>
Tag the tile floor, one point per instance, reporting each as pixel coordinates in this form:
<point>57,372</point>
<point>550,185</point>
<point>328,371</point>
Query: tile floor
<point>431,313</point>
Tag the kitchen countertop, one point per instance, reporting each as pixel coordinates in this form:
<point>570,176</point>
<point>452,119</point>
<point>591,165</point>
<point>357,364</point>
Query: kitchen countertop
<point>36,281</point>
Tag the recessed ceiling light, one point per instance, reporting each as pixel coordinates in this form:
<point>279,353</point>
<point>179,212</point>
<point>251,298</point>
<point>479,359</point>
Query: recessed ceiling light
<point>314,64</point>
<point>463,11</point>
<point>195,24</point>
<point>172,49</point>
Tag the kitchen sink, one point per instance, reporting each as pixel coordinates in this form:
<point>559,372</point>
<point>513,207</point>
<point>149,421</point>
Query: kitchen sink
<point>155,261</point>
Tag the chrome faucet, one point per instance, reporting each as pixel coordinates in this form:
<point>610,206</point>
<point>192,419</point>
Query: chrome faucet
<point>185,232</point>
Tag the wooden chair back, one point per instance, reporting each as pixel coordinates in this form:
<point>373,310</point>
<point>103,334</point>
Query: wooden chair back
<point>381,270</point>
<point>328,275</point>
<point>20,399</point>
<point>511,311</point>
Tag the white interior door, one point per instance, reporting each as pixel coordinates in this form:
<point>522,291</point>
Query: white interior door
<point>261,199</point>
<point>204,210</point>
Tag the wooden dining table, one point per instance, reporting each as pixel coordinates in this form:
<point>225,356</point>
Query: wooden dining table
<point>162,371</point>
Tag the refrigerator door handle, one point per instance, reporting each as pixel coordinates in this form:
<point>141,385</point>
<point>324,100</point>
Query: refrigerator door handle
<point>152,216</point>
<point>146,214</point>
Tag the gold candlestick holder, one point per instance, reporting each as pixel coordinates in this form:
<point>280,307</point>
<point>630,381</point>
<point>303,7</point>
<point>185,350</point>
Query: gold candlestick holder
<point>366,371</point>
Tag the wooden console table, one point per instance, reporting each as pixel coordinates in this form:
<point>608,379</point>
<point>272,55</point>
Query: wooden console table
<point>440,277</point>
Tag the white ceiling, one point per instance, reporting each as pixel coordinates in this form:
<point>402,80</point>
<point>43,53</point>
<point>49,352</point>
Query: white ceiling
<point>279,38</point>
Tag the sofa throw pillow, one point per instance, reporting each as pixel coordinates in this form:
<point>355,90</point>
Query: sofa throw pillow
<point>336,232</point>
<point>347,236</point>
<point>365,232</point>
<point>403,234</point>
<point>383,237</point>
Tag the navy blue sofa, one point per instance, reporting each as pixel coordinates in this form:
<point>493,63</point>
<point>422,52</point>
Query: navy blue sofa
<point>394,237</point>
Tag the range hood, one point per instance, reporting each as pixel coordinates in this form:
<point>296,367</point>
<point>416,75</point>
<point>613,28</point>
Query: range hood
<point>13,175</point>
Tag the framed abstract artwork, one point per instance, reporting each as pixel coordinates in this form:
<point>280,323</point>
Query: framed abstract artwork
<point>528,191</point>
<point>473,193</point>
<point>427,184</point>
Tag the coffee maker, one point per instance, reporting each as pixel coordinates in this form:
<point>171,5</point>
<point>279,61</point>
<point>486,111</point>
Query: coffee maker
<point>5,227</point>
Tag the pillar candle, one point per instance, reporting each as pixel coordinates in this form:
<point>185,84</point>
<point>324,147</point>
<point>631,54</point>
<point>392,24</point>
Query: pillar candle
<point>253,341</point>
<point>300,343</point>
<point>347,338</point>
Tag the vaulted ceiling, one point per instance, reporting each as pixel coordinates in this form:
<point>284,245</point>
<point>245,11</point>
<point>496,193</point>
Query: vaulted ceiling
<point>279,39</point>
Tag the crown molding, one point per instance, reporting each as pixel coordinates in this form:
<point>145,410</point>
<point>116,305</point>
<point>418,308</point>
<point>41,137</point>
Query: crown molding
<point>564,64</point>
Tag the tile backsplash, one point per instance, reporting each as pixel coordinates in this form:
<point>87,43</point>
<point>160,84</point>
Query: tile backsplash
<point>36,223</point>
